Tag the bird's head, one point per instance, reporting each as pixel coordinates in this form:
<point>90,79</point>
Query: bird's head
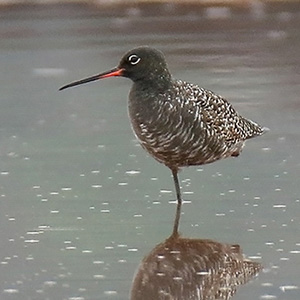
<point>143,63</point>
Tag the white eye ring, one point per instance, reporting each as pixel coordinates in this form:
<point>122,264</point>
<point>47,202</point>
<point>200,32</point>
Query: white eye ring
<point>134,59</point>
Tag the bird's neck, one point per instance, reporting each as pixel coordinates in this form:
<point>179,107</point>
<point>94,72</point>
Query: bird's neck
<point>146,97</point>
<point>154,85</point>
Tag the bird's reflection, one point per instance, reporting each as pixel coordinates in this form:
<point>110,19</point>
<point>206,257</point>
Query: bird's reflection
<point>183,269</point>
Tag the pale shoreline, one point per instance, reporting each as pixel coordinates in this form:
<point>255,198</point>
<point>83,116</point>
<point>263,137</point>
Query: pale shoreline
<point>133,2</point>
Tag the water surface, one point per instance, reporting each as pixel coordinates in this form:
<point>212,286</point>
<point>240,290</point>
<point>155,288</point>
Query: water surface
<point>82,203</point>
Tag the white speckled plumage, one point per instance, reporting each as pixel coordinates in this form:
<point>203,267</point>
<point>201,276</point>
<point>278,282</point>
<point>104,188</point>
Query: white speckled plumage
<point>188,125</point>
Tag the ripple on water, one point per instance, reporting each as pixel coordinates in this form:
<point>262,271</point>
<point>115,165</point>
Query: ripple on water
<point>110,293</point>
<point>133,172</point>
<point>99,276</point>
<point>50,283</point>
<point>286,288</point>
<point>96,186</point>
<point>268,297</point>
<point>10,291</point>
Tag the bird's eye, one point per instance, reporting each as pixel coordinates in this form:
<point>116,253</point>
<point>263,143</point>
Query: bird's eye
<point>133,59</point>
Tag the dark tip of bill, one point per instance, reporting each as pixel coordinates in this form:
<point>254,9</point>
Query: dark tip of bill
<point>63,87</point>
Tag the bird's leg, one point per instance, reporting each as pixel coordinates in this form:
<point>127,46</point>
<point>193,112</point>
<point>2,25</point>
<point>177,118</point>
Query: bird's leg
<point>179,202</point>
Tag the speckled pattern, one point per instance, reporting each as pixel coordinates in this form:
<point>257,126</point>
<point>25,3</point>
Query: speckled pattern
<point>181,124</point>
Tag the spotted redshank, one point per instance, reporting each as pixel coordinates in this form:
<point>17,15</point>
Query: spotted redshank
<point>180,124</point>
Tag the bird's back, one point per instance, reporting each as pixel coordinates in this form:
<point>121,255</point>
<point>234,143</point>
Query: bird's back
<point>216,112</point>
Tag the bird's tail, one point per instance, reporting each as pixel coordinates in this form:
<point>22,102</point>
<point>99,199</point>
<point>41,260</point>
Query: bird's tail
<point>254,129</point>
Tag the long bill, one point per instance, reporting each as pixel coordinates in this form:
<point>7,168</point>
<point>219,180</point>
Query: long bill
<point>114,72</point>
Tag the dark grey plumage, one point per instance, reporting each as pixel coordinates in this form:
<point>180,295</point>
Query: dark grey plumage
<point>187,125</point>
<point>178,123</point>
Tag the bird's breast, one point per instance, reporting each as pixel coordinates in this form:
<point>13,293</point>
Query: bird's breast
<point>170,133</point>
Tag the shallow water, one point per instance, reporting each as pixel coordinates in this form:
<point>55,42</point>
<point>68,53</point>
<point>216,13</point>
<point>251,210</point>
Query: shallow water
<point>82,203</point>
